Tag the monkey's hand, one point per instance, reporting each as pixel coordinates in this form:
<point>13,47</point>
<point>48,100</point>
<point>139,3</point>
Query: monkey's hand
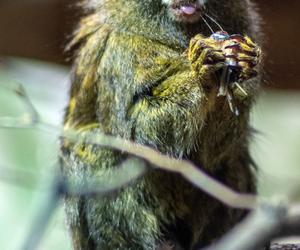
<point>246,53</point>
<point>206,58</point>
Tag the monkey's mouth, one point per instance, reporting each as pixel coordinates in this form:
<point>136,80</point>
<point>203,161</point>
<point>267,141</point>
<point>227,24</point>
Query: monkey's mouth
<point>187,12</point>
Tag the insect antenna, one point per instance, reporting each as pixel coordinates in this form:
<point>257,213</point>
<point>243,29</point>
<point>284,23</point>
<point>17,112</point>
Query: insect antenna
<point>207,24</point>
<point>214,21</point>
<point>227,72</point>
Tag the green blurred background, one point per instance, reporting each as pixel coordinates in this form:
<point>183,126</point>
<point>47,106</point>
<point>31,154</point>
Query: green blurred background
<point>38,31</point>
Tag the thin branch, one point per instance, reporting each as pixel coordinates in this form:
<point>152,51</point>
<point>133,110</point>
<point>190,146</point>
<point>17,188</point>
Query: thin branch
<point>266,222</point>
<point>43,215</point>
<point>129,170</point>
<point>291,226</point>
<point>193,174</point>
<point>260,227</point>
<point>28,119</point>
<point>255,231</point>
<point>22,122</point>
<point>20,177</point>
<point>277,246</point>
<point>124,174</point>
<point>21,92</point>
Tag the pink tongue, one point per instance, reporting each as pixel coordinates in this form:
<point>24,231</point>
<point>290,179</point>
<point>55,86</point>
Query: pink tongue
<point>189,10</point>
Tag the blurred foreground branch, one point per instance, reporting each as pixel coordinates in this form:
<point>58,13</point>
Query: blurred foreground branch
<point>192,173</point>
<point>263,225</point>
<point>266,221</point>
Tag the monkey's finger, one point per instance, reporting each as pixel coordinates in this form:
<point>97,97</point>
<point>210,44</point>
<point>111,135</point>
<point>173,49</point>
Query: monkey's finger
<point>208,56</point>
<point>213,57</point>
<point>195,39</point>
<point>206,71</point>
<point>241,47</point>
<point>252,61</point>
<point>249,42</point>
<point>243,39</point>
<point>197,48</point>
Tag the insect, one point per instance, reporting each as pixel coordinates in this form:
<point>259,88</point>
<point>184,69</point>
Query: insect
<point>229,44</point>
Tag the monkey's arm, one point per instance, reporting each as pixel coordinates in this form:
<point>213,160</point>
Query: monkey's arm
<point>173,109</point>
<point>175,93</point>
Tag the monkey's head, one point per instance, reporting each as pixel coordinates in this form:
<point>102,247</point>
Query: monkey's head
<point>186,11</point>
<point>178,11</point>
<point>176,20</point>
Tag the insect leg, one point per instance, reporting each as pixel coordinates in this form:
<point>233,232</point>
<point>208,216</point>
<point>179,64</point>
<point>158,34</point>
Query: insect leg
<point>231,103</point>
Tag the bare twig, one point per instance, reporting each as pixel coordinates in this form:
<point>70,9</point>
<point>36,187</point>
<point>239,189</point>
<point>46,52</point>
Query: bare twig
<point>28,119</point>
<point>20,177</point>
<point>254,232</point>
<point>31,110</point>
<point>44,214</point>
<point>260,227</point>
<point>130,170</point>
<point>291,225</point>
<point>127,172</point>
<point>195,175</point>
<point>265,223</point>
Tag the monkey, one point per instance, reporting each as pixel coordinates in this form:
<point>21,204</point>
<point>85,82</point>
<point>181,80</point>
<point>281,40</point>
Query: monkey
<point>148,71</point>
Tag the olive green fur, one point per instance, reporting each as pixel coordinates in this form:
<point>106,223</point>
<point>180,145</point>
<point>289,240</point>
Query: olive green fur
<point>132,79</point>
